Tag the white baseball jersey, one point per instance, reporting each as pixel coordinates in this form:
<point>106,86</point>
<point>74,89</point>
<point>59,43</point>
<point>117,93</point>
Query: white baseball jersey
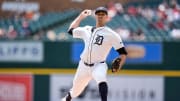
<point>97,43</point>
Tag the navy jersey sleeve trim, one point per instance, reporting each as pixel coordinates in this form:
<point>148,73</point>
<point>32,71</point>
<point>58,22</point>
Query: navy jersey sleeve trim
<point>93,28</point>
<point>70,31</point>
<point>122,51</point>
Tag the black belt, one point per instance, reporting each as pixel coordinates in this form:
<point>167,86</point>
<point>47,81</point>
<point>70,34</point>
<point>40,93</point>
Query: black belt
<point>92,64</point>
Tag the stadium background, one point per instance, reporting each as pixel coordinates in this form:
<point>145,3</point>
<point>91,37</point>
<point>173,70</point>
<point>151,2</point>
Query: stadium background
<point>38,58</point>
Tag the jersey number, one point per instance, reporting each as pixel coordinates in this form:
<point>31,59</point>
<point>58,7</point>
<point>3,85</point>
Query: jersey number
<point>99,40</point>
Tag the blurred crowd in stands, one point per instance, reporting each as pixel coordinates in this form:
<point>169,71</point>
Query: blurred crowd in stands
<point>16,25</point>
<point>165,16</point>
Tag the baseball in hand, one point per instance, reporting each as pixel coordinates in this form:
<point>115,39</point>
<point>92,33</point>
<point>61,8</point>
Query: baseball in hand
<point>88,12</point>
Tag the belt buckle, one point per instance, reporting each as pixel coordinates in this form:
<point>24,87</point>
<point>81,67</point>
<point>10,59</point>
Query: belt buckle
<point>90,65</point>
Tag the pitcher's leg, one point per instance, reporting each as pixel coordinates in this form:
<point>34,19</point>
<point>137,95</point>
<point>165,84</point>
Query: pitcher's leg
<point>103,90</point>
<point>79,83</point>
<point>99,74</point>
<point>81,80</point>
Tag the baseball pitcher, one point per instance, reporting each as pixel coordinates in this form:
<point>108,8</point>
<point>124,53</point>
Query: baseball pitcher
<point>98,41</point>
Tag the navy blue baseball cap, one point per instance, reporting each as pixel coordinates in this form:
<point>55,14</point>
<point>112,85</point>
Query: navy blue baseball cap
<point>101,9</point>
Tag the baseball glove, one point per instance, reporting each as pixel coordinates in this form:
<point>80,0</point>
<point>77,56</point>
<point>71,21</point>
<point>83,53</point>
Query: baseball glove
<point>115,64</point>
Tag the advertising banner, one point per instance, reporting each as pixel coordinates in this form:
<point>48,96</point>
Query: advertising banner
<point>20,6</point>
<point>138,53</point>
<point>14,87</point>
<point>21,51</point>
<point>121,88</point>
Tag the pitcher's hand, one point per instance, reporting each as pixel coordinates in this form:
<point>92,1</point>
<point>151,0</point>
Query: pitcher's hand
<point>85,13</point>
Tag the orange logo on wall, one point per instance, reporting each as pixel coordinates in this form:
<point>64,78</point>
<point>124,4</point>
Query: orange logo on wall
<point>14,87</point>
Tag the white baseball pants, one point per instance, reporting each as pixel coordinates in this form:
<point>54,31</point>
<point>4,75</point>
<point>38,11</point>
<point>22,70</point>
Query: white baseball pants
<point>85,73</point>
